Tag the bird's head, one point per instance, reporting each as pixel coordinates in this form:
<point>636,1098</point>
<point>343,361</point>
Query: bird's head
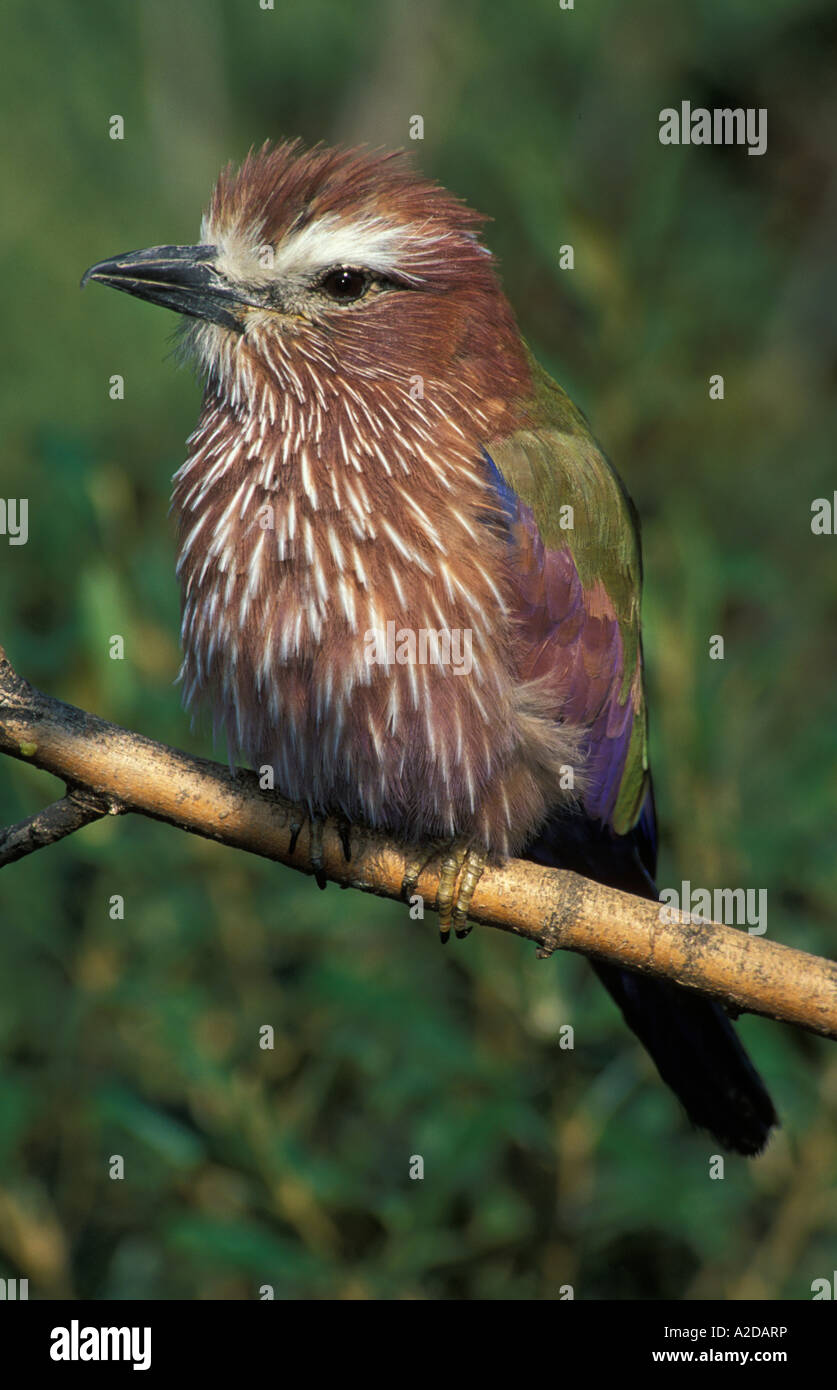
<point>344,260</point>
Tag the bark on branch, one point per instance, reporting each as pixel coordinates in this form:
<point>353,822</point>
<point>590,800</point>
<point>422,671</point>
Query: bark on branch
<point>109,770</point>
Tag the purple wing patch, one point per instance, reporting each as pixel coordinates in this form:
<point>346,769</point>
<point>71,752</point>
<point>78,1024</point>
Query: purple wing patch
<point>569,636</point>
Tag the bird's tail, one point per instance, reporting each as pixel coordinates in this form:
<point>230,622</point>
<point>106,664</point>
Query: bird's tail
<point>698,1054</point>
<point>689,1037</point>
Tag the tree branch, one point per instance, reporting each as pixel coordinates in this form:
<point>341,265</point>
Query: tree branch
<point>79,807</point>
<point>109,770</point>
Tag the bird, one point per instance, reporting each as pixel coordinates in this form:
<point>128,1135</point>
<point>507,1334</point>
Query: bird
<point>382,472</point>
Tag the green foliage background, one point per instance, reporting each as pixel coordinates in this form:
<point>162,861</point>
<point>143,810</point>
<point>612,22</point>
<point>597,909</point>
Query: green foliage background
<point>542,1167</point>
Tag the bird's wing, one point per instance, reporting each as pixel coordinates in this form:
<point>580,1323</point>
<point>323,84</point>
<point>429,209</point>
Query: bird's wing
<point>579,574</point>
<point>579,593</point>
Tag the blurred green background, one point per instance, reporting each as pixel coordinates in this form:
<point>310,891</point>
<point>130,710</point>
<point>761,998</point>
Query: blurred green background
<point>543,1167</point>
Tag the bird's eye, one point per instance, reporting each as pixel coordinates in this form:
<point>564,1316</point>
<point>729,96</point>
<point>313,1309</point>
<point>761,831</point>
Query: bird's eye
<point>344,285</point>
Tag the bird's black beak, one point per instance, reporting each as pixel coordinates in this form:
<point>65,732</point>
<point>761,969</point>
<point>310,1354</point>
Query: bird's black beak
<point>183,278</point>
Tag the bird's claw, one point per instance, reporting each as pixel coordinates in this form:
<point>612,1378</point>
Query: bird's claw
<point>344,830</point>
<point>315,845</point>
<point>474,863</point>
<point>315,851</point>
<point>296,826</point>
<point>416,865</point>
<point>461,870</point>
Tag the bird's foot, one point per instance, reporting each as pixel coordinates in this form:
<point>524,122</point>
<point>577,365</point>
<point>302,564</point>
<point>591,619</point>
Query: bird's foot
<point>461,870</point>
<point>315,845</point>
<point>344,830</point>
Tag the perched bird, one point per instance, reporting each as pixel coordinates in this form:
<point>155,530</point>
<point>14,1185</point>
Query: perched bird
<point>383,478</point>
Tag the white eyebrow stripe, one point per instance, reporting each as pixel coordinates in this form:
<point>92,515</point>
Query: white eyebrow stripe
<point>370,242</point>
